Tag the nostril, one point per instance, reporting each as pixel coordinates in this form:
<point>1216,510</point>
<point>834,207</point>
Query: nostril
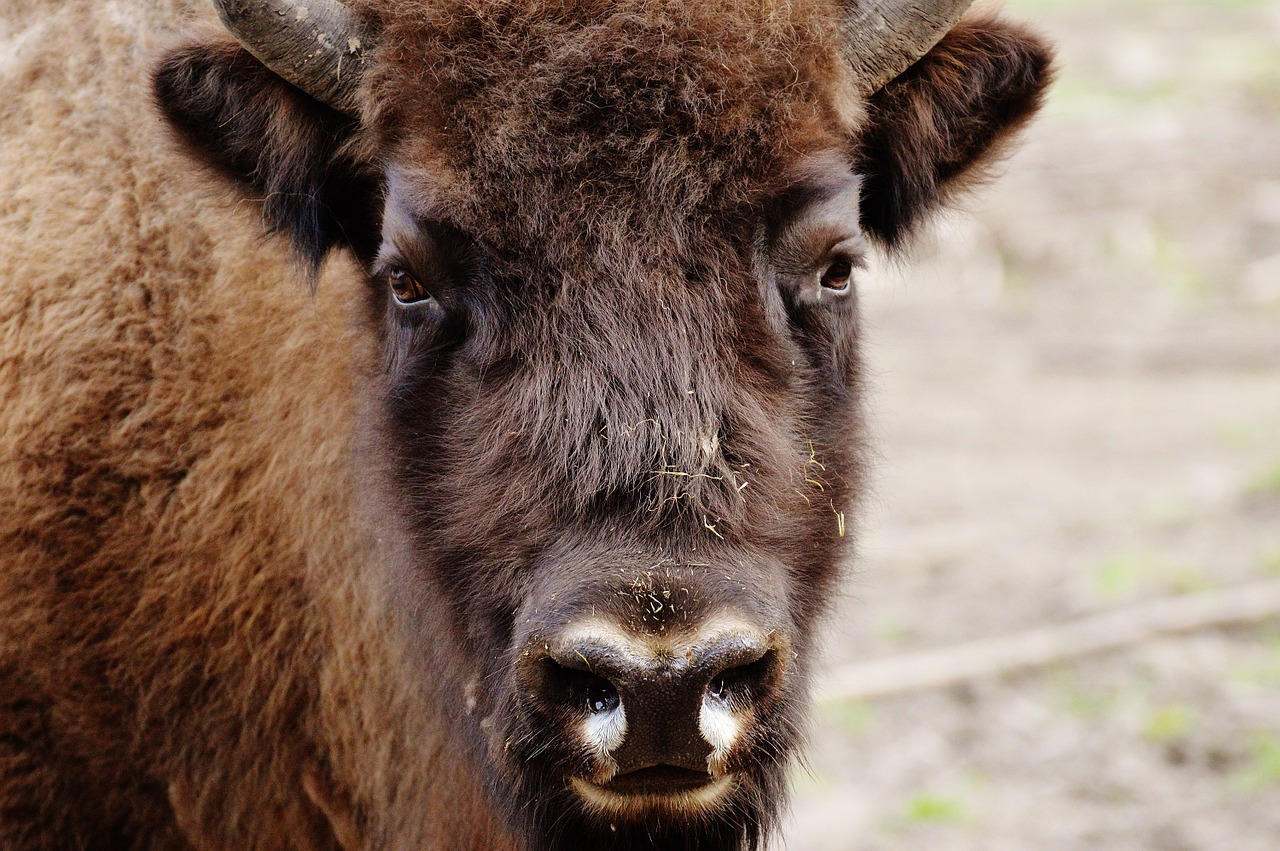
<point>600,694</point>
<point>578,690</point>
<point>744,684</point>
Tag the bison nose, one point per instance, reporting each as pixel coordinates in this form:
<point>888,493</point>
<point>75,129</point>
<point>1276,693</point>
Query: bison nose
<point>665,710</point>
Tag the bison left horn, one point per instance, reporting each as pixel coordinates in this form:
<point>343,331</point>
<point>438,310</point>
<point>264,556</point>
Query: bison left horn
<point>317,45</point>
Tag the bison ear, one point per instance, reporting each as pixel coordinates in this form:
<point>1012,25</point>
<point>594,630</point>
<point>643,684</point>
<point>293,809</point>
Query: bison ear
<point>934,129</point>
<point>252,126</point>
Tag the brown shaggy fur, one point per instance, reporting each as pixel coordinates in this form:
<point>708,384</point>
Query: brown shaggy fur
<point>268,559</point>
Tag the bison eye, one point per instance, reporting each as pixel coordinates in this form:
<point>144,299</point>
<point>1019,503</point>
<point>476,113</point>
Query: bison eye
<point>406,288</point>
<point>837,276</point>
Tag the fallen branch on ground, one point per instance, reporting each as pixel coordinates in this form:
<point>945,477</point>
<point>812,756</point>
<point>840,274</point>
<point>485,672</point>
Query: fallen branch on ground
<point>1035,648</point>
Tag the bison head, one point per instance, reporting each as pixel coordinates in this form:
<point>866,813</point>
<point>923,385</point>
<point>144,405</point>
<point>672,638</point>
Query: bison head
<point>610,252</point>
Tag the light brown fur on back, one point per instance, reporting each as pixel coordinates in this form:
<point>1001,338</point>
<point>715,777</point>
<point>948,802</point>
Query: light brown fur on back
<point>178,547</point>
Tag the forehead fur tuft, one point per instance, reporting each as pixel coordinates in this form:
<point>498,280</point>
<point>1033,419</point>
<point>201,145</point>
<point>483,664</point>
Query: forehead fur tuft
<point>587,110</point>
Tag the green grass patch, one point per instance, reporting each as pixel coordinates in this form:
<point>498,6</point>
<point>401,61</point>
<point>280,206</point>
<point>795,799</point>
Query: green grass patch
<point>1269,561</point>
<point>1123,576</point>
<point>935,809</point>
<point>1118,577</point>
<point>1168,723</point>
<point>1184,579</point>
<point>1267,672</point>
<point>1265,484</point>
<point>1174,267</point>
<point>1079,99</point>
<point>853,717</point>
<point>1077,699</point>
<point>1241,435</point>
<point>892,632</point>
<point>1262,769</point>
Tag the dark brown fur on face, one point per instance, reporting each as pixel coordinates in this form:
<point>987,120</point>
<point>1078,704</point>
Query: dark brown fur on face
<point>628,398</point>
<point>619,381</point>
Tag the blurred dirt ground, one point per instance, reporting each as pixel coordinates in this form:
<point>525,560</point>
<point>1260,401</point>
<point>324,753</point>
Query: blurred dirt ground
<point>1076,406</point>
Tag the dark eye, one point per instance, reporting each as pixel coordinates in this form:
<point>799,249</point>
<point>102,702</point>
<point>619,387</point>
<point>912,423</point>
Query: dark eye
<point>406,288</point>
<point>837,275</point>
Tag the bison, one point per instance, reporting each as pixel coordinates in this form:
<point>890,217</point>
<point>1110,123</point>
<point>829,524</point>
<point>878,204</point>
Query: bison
<point>493,503</point>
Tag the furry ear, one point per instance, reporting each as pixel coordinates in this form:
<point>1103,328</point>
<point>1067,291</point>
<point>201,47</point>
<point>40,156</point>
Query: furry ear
<point>935,129</point>
<point>239,117</point>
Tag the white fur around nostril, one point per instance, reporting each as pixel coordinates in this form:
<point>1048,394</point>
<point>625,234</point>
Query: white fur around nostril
<point>721,728</point>
<point>603,732</point>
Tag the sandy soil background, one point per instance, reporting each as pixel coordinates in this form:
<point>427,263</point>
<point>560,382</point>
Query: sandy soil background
<point>1076,406</point>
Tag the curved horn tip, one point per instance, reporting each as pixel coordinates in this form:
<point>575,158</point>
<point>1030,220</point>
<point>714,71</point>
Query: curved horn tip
<point>883,39</point>
<point>316,45</point>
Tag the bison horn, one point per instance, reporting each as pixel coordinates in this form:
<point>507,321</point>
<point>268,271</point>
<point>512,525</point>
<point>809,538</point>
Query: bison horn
<point>317,45</point>
<point>883,38</point>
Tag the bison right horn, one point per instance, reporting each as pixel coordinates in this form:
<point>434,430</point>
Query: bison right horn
<point>317,45</point>
<point>883,38</point>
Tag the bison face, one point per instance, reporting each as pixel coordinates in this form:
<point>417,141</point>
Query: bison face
<point>627,462</point>
<point>611,252</point>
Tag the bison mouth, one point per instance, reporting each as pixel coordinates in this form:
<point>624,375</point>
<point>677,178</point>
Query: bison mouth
<point>662,806</point>
<point>727,814</point>
<point>658,780</point>
<point>659,787</point>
